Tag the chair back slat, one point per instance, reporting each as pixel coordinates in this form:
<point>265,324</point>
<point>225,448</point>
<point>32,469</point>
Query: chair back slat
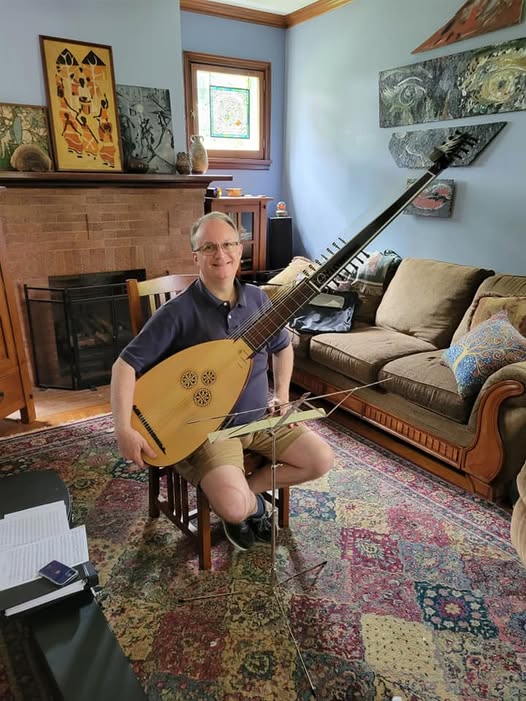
<point>155,292</point>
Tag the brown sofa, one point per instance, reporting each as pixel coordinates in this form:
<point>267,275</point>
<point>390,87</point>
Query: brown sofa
<point>427,306</point>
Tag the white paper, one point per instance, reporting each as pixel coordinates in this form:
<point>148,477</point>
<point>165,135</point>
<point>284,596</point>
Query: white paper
<point>33,510</point>
<point>39,524</point>
<point>21,564</point>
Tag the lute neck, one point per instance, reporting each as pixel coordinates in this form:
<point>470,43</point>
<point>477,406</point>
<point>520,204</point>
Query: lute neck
<point>286,305</point>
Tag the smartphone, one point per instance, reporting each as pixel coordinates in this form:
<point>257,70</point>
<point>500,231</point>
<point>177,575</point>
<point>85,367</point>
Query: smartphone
<point>58,573</point>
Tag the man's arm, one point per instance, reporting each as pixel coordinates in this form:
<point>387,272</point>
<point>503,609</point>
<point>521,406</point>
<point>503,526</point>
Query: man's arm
<point>131,443</point>
<point>282,364</point>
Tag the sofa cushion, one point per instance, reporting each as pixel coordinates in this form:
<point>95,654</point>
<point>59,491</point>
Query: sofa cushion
<point>287,276</point>
<point>427,298</point>
<point>501,285</point>
<point>424,380</point>
<point>362,352</point>
<point>489,304</point>
<point>490,346</point>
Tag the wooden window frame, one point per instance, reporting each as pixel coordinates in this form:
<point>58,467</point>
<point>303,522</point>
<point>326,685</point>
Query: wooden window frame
<point>231,160</point>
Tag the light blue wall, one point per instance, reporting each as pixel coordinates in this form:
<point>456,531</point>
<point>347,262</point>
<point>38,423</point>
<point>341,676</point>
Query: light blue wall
<point>338,169</point>
<point>214,35</point>
<point>332,163</point>
<point>144,36</point>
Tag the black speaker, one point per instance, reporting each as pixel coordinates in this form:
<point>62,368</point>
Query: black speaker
<point>279,242</point>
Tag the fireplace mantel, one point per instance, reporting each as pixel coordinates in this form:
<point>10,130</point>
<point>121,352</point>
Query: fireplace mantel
<point>12,178</point>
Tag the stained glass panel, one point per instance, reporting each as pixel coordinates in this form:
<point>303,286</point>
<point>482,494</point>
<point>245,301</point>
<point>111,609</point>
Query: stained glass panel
<point>229,112</point>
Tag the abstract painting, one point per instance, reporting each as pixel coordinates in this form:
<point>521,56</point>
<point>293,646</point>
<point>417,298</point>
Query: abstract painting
<point>475,17</point>
<point>411,149</point>
<point>82,106</point>
<point>435,200</point>
<point>21,124</point>
<point>483,81</point>
<point>145,118</point>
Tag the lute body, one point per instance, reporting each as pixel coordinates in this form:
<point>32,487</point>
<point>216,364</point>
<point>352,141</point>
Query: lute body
<point>184,398</point>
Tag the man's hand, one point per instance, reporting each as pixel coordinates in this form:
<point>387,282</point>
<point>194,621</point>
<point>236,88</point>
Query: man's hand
<point>132,446</point>
<point>279,405</point>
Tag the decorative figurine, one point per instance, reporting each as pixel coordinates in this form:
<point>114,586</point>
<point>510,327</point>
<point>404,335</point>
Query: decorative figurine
<point>281,210</point>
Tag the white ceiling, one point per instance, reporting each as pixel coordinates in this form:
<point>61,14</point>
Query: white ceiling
<point>277,7</point>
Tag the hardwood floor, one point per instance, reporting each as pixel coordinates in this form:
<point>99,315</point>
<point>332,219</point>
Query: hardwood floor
<point>59,406</point>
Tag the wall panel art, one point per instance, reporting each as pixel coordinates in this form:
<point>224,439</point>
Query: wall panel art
<point>21,124</point>
<point>82,106</point>
<point>411,149</point>
<point>483,81</point>
<point>145,118</point>
<point>474,18</point>
<point>435,200</point>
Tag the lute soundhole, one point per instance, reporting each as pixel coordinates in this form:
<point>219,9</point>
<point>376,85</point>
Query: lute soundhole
<point>208,377</point>
<point>202,397</point>
<point>188,379</point>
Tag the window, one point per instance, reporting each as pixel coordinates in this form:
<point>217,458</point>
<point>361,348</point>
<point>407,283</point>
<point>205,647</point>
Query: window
<point>228,103</point>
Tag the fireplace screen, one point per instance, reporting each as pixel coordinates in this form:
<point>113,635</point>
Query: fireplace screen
<point>79,325</point>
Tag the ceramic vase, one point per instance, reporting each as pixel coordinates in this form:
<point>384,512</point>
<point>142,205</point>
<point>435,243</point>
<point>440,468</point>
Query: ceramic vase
<point>198,154</point>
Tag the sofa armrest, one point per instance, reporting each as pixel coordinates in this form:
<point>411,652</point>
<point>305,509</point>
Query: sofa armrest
<point>515,371</point>
<point>501,406</point>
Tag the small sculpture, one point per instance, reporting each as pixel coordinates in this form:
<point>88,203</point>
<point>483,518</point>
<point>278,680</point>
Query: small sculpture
<point>30,157</point>
<point>183,164</point>
<point>136,165</point>
<point>281,210</point>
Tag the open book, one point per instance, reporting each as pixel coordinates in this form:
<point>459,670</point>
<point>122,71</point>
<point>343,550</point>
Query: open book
<point>29,539</point>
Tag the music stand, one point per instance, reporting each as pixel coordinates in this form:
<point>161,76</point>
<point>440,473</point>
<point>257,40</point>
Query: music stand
<point>271,424</point>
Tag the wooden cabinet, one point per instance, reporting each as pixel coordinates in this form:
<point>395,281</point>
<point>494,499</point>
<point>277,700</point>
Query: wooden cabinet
<point>250,216</point>
<point>15,385</point>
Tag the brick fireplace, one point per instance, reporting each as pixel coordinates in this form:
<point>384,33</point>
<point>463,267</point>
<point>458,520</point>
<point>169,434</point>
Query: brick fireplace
<point>61,224</point>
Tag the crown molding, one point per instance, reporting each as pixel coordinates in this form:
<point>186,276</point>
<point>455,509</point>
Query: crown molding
<point>314,10</point>
<point>245,14</point>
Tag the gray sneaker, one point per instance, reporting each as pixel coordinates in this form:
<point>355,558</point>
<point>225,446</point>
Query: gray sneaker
<point>240,535</point>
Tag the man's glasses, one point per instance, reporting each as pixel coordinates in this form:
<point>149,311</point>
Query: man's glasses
<point>210,249</point>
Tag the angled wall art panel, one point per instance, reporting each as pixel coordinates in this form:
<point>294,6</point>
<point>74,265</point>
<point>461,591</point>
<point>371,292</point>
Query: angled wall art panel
<point>483,81</point>
<point>474,18</point>
<point>411,149</point>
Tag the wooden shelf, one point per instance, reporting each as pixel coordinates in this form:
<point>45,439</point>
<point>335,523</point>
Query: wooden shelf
<point>12,178</point>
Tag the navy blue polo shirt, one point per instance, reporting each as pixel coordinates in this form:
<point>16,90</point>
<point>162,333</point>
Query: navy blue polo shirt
<point>197,316</point>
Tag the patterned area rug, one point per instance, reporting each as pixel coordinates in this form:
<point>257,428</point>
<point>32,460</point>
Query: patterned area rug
<point>422,595</point>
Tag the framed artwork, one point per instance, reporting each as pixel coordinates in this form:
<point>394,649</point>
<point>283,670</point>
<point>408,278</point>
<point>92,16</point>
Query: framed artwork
<point>21,124</point>
<point>145,118</point>
<point>411,149</point>
<point>487,80</point>
<point>474,18</point>
<point>436,200</point>
<point>83,117</point>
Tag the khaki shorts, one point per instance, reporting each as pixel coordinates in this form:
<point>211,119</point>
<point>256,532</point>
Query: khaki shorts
<point>230,451</point>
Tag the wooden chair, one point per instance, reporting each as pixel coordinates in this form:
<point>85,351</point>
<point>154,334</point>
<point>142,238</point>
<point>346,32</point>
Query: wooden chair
<point>144,297</point>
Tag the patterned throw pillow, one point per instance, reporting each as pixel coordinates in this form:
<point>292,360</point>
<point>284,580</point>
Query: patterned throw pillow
<point>488,305</point>
<point>482,351</point>
<point>371,281</point>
